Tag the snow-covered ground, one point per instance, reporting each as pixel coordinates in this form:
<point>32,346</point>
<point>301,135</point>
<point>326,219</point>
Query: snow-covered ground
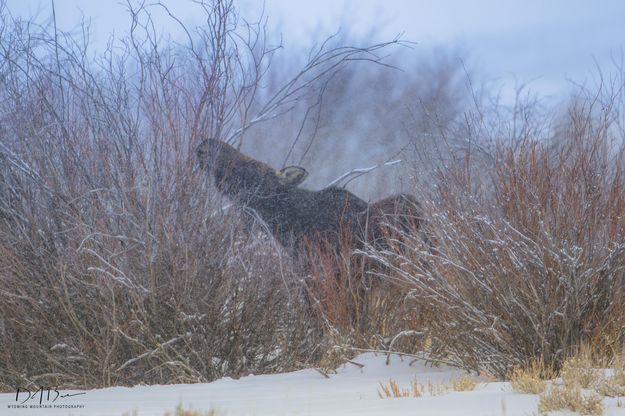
<point>353,390</point>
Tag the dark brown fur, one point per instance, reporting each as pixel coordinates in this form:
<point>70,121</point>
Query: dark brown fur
<point>292,214</point>
<point>396,214</point>
<point>295,215</point>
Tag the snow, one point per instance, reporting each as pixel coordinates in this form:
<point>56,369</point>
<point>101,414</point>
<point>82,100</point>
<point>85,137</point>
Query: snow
<point>352,390</point>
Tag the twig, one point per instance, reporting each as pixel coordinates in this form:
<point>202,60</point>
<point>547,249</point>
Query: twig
<point>322,373</point>
<point>402,334</point>
<point>148,353</point>
<point>359,172</point>
<point>356,364</point>
<point>423,356</point>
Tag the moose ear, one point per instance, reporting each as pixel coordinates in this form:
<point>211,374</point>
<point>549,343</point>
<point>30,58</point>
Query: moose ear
<point>292,175</point>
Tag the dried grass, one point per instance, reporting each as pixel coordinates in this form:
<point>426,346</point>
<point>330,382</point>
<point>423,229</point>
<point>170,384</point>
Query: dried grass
<point>417,389</point>
<point>570,398</point>
<point>532,378</point>
<point>464,383</point>
<point>180,411</point>
<point>392,390</point>
<point>614,384</point>
<point>583,369</point>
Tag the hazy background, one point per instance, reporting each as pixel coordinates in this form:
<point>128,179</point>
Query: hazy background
<point>545,42</point>
<point>463,51</point>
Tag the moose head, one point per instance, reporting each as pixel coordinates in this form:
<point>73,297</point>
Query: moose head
<point>292,214</point>
<point>237,175</point>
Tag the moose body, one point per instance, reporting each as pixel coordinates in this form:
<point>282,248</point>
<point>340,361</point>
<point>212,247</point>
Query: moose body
<point>295,215</point>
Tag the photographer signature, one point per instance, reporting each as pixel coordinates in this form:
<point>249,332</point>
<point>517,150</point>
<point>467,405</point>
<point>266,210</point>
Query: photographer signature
<point>44,394</point>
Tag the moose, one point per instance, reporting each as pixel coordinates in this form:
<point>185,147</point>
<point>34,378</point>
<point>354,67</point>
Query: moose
<point>297,216</point>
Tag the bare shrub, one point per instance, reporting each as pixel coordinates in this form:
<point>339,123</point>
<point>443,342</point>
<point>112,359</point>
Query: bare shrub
<point>172,320</point>
<point>363,115</point>
<point>530,247</point>
<point>353,308</point>
<point>119,264</point>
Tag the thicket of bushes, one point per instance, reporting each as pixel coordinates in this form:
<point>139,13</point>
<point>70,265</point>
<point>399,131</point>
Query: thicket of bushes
<point>530,245</point>
<point>117,263</point>
<point>120,265</point>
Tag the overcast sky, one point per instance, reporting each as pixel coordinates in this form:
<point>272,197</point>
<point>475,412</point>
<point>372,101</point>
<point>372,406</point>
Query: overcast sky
<point>543,41</point>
